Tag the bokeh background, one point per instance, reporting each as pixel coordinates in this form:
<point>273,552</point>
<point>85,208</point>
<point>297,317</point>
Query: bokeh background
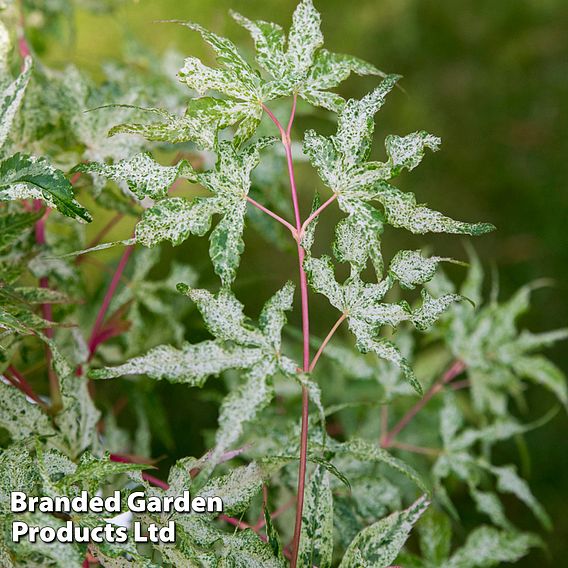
<point>489,77</point>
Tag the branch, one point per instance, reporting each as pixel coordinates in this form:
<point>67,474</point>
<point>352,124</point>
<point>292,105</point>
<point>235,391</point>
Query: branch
<point>415,449</point>
<point>93,341</point>
<point>285,135</point>
<point>273,215</point>
<point>456,369</point>
<point>23,45</point>
<point>326,341</point>
<point>277,513</point>
<point>276,122</point>
<point>19,381</point>
<point>316,213</point>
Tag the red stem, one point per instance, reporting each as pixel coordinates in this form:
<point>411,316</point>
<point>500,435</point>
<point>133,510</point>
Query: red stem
<point>456,368</point>
<point>458,385</point>
<point>155,481</point>
<point>236,522</point>
<point>317,212</point>
<point>306,337</point>
<point>327,340</point>
<point>93,341</point>
<point>285,134</point>
<point>384,423</point>
<point>20,382</point>
<point>292,115</point>
<point>273,215</point>
<point>23,46</point>
<point>415,449</point>
<point>276,513</point>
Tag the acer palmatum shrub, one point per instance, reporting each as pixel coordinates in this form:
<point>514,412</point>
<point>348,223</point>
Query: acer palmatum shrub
<point>329,451</point>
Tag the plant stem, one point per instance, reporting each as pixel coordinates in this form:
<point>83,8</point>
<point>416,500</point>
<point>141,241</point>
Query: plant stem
<point>415,449</point>
<point>317,212</point>
<point>455,369</point>
<point>285,134</point>
<point>458,385</point>
<point>384,423</point>
<point>272,214</point>
<point>103,232</point>
<point>93,340</point>
<point>23,46</point>
<point>20,382</point>
<point>276,513</point>
<point>326,341</point>
<point>236,522</point>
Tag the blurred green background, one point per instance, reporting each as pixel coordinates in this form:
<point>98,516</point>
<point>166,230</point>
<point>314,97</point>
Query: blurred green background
<point>491,78</point>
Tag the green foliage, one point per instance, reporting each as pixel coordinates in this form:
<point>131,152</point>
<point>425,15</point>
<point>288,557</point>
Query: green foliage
<point>200,167</point>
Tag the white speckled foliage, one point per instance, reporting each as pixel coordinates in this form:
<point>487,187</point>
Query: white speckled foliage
<point>388,437</point>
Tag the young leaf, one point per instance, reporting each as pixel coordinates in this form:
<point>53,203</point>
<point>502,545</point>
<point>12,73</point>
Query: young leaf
<point>192,364</point>
<point>198,124</point>
<point>508,481</point>
<point>543,372</point>
<point>235,79</point>
<point>489,342</point>
<point>174,219</point>
<point>367,313</point>
<point>238,345</point>
<point>489,504</point>
<point>297,64</point>
<point>341,161</point>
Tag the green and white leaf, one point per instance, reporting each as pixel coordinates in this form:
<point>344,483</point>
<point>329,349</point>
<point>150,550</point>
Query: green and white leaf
<point>411,269</point>
<point>229,182</point>
<point>28,177</point>
<point>316,541</point>
<point>364,451</point>
<point>143,175</point>
<point>192,364</point>
<point>508,481</point>
<point>378,545</point>
<point>297,63</point>
<point>21,417</point>
<point>487,546</point>
<point>236,79</point>
<point>11,100</point>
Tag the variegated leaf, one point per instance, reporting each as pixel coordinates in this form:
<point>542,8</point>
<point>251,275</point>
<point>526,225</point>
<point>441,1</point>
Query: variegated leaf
<point>11,99</point>
<point>377,546</point>
<point>316,540</point>
<point>28,177</point>
<point>144,176</point>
